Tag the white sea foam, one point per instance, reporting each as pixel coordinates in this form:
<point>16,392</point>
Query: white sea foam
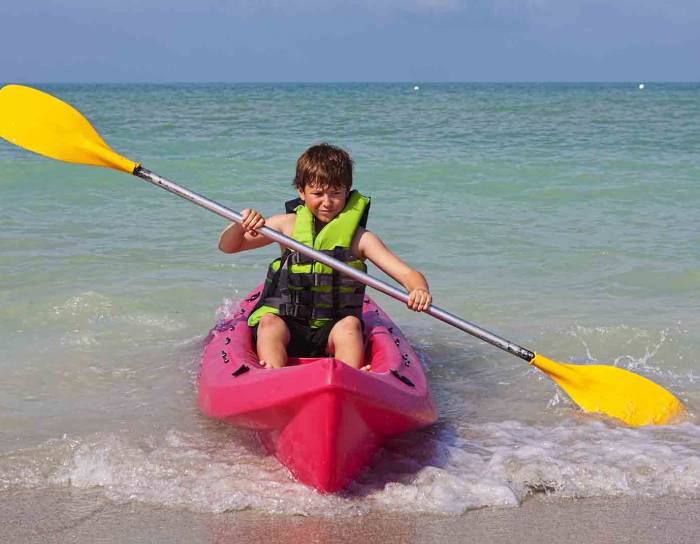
<point>446,471</point>
<point>154,321</point>
<point>654,353</point>
<point>229,306</point>
<point>87,305</point>
<point>78,338</point>
<point>185,471</point>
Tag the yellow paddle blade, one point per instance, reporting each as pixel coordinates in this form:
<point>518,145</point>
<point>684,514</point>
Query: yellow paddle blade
<point>44,124</point>
<point>614,392</point>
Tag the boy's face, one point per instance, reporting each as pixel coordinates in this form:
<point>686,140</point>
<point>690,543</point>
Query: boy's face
<point>324,202</point>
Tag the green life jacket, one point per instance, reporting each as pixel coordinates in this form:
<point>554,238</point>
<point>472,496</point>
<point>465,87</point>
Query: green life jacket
<point>298,286</point>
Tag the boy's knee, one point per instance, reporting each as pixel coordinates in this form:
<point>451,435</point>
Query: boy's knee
<point>350,324</point>
<point>270,321</point>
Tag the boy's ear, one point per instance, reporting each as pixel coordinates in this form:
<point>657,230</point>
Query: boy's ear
<point>301,194</point>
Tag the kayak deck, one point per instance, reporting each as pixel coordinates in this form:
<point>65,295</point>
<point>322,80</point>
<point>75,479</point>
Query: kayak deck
<point>321,418</point>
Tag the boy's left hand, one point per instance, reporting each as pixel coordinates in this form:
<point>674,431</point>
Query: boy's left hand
<point>419,300</point>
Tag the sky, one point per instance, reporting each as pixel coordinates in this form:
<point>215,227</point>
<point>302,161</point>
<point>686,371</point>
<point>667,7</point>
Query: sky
<point>348,40</point>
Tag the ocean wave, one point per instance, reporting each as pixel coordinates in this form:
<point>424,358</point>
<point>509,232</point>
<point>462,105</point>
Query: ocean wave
<point>443,469</point>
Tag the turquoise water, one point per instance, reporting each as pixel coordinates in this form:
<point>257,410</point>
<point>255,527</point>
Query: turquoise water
<point>561,216</point>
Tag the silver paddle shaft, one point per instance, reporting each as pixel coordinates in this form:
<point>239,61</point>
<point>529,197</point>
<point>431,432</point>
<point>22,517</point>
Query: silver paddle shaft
<point>340,266</point>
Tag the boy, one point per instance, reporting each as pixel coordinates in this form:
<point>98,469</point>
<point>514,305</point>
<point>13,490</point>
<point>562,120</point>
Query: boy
<point>306,310</point>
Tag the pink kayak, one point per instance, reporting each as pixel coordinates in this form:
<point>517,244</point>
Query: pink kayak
<point>322,419</point>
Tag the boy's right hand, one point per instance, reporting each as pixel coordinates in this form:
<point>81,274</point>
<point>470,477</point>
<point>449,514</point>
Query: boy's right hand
<point>252,220</point>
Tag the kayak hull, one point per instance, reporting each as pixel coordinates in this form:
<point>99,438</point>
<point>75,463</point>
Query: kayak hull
<point>326,443</point>
<point>321,418</point>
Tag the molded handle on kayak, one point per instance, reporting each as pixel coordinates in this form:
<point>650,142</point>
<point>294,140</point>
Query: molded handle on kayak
<point>377,284</point>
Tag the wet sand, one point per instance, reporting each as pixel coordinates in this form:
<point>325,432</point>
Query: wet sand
<point>73,516</point>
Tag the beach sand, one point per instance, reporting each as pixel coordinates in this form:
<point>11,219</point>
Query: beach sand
<point>72,516</point>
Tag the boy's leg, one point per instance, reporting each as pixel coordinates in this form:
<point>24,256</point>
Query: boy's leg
<point>273,338</point>
<point>346,342</point>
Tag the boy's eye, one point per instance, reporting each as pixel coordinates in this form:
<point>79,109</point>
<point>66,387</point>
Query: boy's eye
<point>334,194</point>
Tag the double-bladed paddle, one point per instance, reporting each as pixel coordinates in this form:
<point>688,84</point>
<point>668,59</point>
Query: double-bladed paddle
<point>44,124</point>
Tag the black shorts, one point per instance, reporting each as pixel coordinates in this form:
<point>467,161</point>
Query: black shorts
<point>305,341</point>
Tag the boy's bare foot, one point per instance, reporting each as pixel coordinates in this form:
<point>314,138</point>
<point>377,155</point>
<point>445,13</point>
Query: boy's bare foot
<point>265,364</point>
<point>367,368</point>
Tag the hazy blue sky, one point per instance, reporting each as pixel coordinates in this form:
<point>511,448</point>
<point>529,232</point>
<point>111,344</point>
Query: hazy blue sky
<point>353,40</point>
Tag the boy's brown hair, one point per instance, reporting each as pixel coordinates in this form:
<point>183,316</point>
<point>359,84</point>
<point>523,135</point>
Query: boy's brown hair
<point>326,166</point>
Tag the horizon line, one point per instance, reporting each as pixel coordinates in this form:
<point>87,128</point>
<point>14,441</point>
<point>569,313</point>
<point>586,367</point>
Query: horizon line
<point>348,82</point>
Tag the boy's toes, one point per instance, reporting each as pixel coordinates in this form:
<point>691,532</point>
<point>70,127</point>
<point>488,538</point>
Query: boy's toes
<point>262,363</point>
<point>366,368</point>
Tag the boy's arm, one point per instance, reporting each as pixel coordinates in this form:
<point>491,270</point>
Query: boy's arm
<point>243,237</point>
<point>369,246</point>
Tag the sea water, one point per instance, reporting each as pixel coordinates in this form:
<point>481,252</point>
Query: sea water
<point>564,217</point>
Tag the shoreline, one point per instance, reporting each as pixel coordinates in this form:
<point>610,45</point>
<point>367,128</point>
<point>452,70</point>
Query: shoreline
<point>77,516</point>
